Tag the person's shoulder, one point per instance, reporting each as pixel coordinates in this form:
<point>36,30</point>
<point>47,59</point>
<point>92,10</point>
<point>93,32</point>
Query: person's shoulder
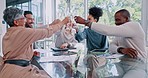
<point>16,28</point>
<point>90,31</point>
<point>133,23</point>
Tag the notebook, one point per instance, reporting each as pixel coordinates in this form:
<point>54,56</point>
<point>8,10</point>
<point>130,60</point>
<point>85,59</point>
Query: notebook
<point>59,49</point>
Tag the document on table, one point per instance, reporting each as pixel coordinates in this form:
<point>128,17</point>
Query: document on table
<point>112,56</point>
<point>58,58</point>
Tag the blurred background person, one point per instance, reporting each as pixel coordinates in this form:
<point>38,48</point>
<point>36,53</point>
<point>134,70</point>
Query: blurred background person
<point>66,37</point>
<point>29,19</point>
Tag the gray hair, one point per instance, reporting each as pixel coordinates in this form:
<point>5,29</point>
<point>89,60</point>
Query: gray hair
<point>11,14</point>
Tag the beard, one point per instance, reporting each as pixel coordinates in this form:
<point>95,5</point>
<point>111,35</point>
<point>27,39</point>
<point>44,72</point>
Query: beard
<point>29,25</point>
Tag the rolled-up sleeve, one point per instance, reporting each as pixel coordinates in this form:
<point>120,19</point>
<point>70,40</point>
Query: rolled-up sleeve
<point>30,35</point>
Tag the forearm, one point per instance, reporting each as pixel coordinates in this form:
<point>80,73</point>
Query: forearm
<point>119,31</point>
<point>80,36</point>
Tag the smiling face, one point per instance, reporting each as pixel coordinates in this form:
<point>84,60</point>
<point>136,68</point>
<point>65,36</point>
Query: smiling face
<point>120,19</point>
<point>91,18</point>
<point>29,20</point>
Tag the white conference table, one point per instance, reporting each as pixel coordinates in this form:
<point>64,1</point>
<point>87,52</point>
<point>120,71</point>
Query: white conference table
<point>66,65</point>
<point>60,64</point>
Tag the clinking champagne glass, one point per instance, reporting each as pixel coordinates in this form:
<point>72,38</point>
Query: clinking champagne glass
<point>69,13</point>
<point>72,22</point>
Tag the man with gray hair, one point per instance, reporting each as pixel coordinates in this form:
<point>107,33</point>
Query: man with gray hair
<point>17,45</point>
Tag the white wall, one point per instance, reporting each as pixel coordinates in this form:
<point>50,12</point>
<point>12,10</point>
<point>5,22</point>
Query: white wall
<point>2,26</point>
<point>145,18</point>
<point>145,23</point>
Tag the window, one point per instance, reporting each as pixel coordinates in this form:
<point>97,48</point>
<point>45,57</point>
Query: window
<point>111,6</point>
<point>69,7</point>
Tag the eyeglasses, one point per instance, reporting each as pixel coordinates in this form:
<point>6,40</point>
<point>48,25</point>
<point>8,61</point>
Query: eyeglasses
<point>21,17</point>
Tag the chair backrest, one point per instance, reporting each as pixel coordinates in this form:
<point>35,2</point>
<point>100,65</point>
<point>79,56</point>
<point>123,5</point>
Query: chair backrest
<point>104,48</point>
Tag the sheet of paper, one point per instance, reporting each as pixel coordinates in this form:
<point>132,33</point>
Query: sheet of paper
<point>112,56</point>
<point>70,58</point>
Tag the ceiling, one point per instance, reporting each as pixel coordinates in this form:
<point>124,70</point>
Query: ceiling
<point>14,2</point>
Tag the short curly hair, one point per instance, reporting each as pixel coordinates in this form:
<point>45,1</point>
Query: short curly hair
<point>125,13</point>
<point>10,14</point>
<point>96,12</point>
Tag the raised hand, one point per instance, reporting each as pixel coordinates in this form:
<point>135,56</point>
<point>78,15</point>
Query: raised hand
<point>130,51</point>
<point>65,20</point>
<point>65,45</point>
<point>56,21</point>
<point>79,20</point>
